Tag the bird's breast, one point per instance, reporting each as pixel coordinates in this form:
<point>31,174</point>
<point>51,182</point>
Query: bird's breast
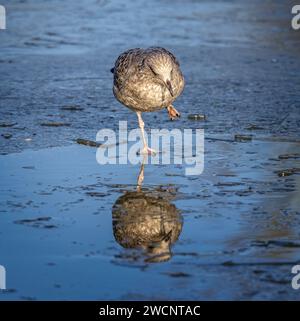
<point>141,92</point>
<point>151,93</point>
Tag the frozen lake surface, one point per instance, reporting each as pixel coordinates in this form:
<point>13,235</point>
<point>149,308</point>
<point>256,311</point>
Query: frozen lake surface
<point>237,224</point>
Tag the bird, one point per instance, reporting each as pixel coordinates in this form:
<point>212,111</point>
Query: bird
<point>147,221</point>
<point>148,80</point>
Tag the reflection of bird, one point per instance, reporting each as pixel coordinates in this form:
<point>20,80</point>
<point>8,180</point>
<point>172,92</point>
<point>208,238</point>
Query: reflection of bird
<point>147,221</point>
<point>147,80</point>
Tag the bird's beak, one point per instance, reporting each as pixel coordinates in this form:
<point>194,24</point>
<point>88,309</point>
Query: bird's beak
<point>169,86</point>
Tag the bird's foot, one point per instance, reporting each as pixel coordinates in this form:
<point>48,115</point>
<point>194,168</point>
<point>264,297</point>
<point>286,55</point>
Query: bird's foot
<point>148,151</point>
<point>173,113</point>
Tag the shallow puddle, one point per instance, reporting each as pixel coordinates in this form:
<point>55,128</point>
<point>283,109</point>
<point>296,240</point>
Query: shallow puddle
<point>232,232</point>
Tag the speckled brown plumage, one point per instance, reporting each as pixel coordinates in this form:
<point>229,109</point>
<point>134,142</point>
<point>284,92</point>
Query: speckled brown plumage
<point>146,80</point>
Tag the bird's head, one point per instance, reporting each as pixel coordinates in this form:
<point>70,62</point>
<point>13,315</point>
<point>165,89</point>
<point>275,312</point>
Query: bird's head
<point>162,68</point>
<point>160,251</point>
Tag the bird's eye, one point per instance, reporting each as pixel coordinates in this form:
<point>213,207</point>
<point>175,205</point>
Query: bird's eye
<point>152,69</point>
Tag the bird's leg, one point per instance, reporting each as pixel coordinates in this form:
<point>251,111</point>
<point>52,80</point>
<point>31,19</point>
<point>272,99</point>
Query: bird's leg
<point>141,175</point>
<point>173,113</point>
<point>146,149</point>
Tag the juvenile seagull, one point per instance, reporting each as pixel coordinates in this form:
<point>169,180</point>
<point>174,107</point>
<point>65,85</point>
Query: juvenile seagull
<point>147,80</point>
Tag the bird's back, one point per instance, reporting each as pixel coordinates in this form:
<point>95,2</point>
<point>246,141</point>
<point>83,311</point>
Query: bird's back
<point>135,83</point>
<point>126,65</point>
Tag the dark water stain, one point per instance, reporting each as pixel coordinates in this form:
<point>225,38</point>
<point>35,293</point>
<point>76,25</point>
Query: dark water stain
<point>72,108</point>
<point>55,124</point>
<point>39,222</point>
<point>287,172</point>
<point>177,274</point>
